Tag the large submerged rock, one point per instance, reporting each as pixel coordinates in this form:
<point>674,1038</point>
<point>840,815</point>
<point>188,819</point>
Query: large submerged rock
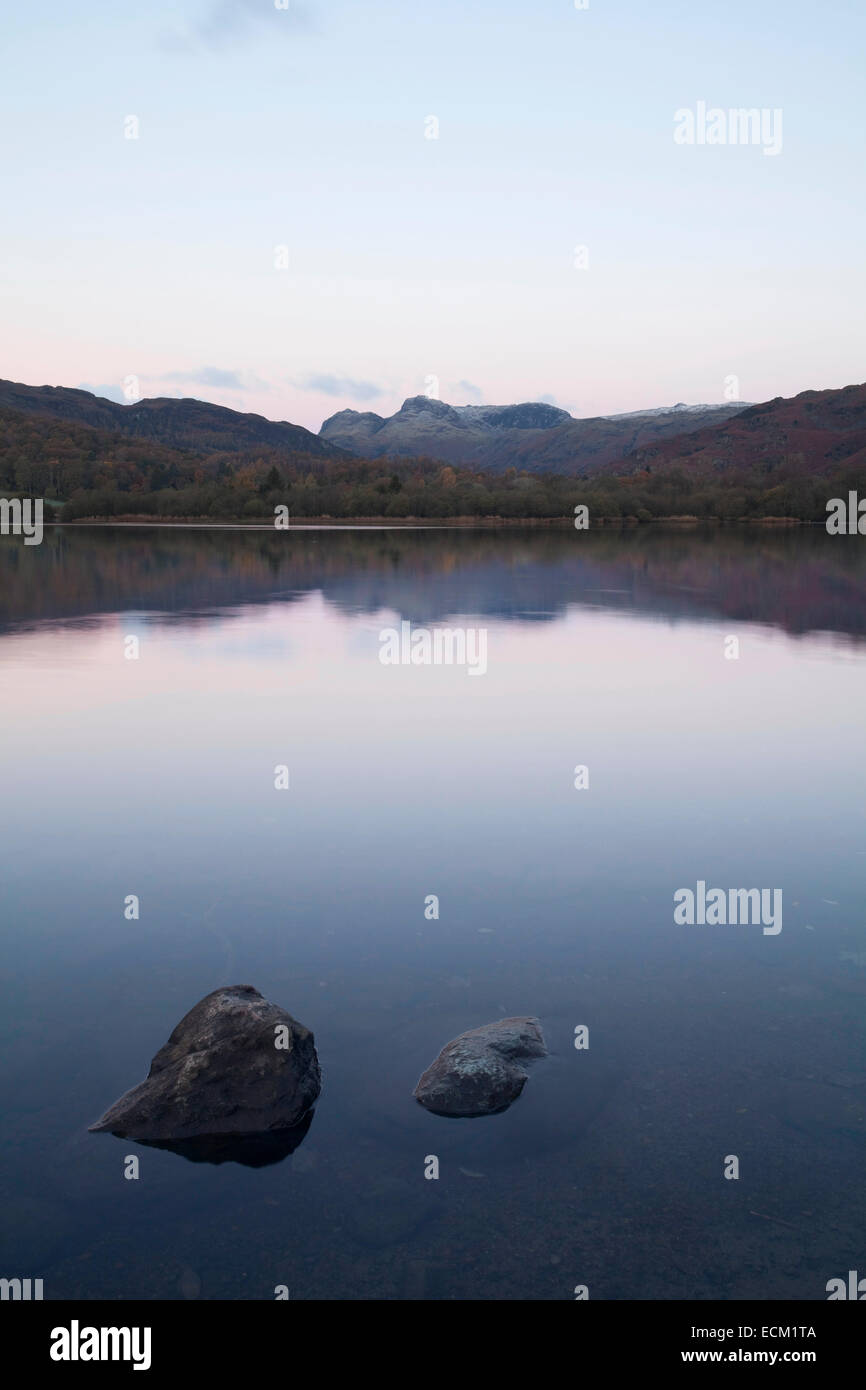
<point>222,1075</point>
<point>479,1073</point>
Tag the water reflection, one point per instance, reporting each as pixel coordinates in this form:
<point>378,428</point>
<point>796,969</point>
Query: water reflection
<point>798,579</point>
<point>250,1150</point>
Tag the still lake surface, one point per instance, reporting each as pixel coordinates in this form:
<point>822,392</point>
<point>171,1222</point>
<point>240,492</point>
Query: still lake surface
<point>155,777</point>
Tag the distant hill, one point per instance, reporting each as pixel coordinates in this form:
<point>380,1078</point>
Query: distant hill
<point>178,424</point>
<point>812,435</point>
<point>533,437</point>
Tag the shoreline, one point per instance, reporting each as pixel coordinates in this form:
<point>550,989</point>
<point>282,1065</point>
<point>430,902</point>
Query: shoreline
<point>391,523</point>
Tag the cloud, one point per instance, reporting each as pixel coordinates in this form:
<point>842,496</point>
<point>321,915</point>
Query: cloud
<point>208,376</point>
<point>330,385</point>
<point>224,22</point>
<point>110,391</point>
<point>549,400</point>
<point>221,378</point>
<point>474,393</point>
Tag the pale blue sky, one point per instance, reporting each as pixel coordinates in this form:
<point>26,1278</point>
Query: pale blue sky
<point>410,257</point>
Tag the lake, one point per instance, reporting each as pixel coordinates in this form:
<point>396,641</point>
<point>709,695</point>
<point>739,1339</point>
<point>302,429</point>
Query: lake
<point>705,690</point>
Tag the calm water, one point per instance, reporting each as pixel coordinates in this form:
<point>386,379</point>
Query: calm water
<point>156,777</point>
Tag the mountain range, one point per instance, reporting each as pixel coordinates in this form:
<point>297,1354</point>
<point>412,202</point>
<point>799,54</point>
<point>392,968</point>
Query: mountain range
<point>533,437</point>
<point>814,434</point>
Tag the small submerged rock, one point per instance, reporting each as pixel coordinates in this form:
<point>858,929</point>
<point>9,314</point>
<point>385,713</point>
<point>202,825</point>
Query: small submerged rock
<point>221,1080</point>
<point>479,1073</point>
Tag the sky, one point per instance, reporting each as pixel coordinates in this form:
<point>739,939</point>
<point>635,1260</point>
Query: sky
<point>294,207</point>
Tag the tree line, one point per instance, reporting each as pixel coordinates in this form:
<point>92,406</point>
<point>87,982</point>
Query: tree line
<point>93,473</point>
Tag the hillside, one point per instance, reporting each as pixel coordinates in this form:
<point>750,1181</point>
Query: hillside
<point>178,424</point>
<point>812,435</point>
